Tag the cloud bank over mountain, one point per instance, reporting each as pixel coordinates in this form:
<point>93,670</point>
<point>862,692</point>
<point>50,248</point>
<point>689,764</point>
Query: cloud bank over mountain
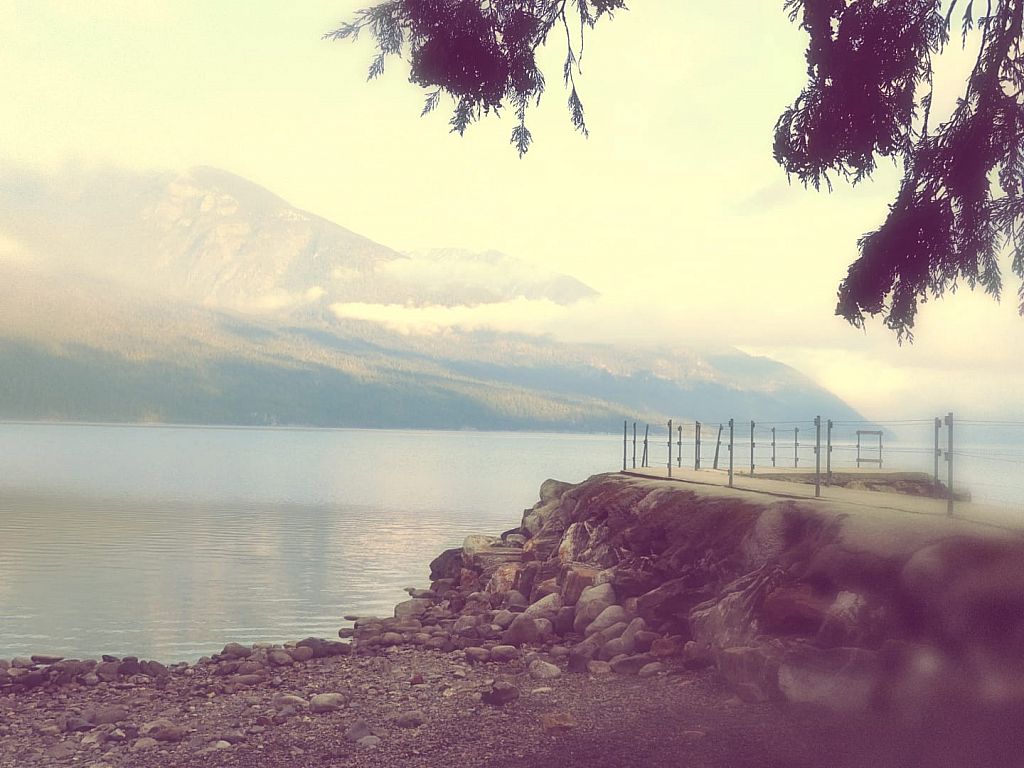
<point>202,297</point>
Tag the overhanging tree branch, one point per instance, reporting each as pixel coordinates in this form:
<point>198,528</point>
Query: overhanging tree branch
<point>482,53</point>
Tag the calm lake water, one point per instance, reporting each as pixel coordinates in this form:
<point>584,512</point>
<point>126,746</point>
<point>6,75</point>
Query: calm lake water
<point>167,542</point>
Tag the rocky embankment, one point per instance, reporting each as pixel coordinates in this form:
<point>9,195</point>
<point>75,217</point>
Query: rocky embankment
<point>804,601</point>
<point>658,593</point>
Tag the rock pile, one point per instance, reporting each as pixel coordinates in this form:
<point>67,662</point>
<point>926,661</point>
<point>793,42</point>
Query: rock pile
<point>790,600</point>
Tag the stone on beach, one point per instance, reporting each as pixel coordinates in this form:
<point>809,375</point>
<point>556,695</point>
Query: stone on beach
<point>543,670</point>
<point>327,702</point>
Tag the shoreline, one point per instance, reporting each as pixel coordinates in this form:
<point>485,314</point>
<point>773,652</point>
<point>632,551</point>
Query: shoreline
<point>623,616</point>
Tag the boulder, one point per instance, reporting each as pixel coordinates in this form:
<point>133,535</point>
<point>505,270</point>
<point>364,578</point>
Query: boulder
<point>591,603</point>
<point>301,653</point>
<point>611,615</point>
<point>503,618</point>
<point>504,653</point>
<point>673,599</point>
<point>616,647</point>
<point>45,658</point>
<point>412,609</point>
<point>581,655</point>
<point>574,542</point>
<point>446,565</point>
<point>107,671</point>
<point>516,599</point>
<point>466,625</point>
<point>323,648</point>
<point>628,582</point>
<point>631,665</point>
<point>552,490</point>
<point>651,669</point>
<point>574,579</point>
<point>474,544</point>
<point>236,651</point>
<point>280,658</point>
<point>733,619</point>
<point>612,632</point>
<point>544,543</point>
<point>564,619</point>
<point>545,608</point>
<point>504,578</point>
<point>644,639</point>
<point>522,631</point>
<point>542,589</point>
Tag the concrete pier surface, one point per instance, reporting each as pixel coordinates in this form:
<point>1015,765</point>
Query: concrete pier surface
<point>789,482</point>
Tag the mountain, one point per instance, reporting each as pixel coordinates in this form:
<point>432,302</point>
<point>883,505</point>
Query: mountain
<point>212,238</point>
<point>203,298</point>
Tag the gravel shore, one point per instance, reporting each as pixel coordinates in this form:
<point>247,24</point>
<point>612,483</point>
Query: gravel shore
<point>409,707</point>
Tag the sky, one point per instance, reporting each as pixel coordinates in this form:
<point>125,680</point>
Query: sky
<point>673,208</point>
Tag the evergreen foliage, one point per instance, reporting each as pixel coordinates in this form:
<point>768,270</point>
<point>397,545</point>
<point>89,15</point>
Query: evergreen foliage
<point>869,95</point>
<point>480,52</point>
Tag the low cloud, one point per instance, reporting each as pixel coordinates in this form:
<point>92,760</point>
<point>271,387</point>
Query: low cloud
<point>520,315</point>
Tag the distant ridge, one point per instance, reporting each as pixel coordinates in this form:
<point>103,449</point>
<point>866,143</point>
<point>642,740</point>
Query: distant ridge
<point>201,297</point>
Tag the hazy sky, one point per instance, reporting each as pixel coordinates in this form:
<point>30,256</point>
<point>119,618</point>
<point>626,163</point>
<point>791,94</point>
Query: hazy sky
<point>673,208</point>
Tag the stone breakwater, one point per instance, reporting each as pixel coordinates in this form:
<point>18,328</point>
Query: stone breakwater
<point>826,603</point>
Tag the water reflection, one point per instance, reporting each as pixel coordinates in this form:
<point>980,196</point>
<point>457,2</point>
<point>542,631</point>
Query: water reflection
<point>166,543</point>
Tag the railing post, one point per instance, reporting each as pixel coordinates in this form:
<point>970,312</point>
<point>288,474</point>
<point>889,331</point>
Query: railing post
<point>828,455</point>
<point>773,446</point>
<point>670,447</point>
<point>647,430</point>
<point>949,461</point>
<point>679,446</point>
<point>858,449</point>
<point>696,447</point>
<point>938,451</point>
<point>718,445</point>
<point>634,445</point>
<point>751,447</point>
<point>625,442</point>
<point>817,457</point>
<point>730,451</point>
<point>796,447</point>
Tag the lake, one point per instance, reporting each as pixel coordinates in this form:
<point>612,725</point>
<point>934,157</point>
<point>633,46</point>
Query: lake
<point>167,542</point>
